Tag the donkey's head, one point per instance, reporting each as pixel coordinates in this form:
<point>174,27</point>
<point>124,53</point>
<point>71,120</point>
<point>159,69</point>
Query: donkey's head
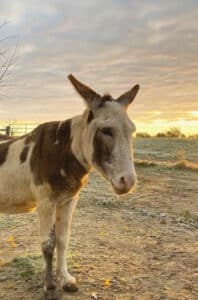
<point>107,137</point>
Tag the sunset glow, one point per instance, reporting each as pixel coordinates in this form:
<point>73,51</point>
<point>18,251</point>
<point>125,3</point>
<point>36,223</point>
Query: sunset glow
<point>187,127</point>
<point>151,43</point>
<point>194,113</point>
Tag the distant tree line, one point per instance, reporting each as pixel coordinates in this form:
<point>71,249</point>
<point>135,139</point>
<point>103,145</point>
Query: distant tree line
<point>173,132</point>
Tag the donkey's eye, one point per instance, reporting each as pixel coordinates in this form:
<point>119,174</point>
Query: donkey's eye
<point>107,131</point>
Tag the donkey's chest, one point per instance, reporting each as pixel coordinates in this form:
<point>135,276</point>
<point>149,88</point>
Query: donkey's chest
<point>66,176</point>
<point>66,184</point>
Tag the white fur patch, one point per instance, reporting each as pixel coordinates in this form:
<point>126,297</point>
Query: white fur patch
<point>15,180</point>
<point>62,172</point>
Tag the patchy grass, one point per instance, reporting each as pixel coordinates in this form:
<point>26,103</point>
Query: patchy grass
<point>107,202</point>
<point>14,221</point>
<point>23,267</point>
<point>189,217</point>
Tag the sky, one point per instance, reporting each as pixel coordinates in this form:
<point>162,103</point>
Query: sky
<point>108,45</point>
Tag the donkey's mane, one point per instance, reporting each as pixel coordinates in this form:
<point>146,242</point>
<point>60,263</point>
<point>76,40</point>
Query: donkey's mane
<point>105,98</point>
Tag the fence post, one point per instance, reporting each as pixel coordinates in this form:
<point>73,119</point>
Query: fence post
<point>8,130</point>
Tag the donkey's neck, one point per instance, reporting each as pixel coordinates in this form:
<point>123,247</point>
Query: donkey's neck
<point>78,125</point>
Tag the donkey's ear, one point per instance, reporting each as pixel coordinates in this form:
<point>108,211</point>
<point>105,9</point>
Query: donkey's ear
<point>91,98</point>
<point>129,96</point>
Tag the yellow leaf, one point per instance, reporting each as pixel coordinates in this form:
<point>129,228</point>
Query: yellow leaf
<point>107,283</point>
<point>101,233</point>
<point>11,241</point>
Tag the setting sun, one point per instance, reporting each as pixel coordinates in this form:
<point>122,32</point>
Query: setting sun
<point>194,113</point>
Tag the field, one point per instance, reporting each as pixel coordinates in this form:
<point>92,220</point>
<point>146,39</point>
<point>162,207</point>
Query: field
<point>142,246</point>
<point>166,149</point>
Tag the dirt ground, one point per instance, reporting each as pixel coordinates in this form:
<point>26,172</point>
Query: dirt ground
<point>140,246</point>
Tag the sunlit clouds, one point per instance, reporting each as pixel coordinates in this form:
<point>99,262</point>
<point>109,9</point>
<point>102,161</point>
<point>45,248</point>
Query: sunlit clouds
<point>109,45</point>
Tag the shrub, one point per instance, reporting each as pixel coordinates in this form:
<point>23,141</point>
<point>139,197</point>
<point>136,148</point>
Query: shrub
<point>143,135</point>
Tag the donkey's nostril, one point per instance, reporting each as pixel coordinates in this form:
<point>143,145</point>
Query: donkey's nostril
<point>124,183</point>
<point>122,180</point>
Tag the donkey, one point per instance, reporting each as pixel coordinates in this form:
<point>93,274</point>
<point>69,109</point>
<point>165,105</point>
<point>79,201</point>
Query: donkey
<point>48,167</point>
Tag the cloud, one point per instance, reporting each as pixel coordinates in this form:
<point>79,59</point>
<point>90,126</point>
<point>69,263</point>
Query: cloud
<point>108,45</point>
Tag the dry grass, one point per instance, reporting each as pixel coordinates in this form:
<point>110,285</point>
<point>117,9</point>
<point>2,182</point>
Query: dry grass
<point>186,165</point>
<point>179,165</point>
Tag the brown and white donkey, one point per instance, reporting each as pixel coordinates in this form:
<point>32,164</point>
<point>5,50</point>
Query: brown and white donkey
<point>48,167</point>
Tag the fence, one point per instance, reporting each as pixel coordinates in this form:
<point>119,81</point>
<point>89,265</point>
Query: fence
<point>18,129</point>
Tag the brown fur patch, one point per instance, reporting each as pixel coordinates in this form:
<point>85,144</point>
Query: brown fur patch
<point>90,117</point>
<point>4,151</point>
<point>52,152</point>
<point>103,146</point>
<point>24,153</point>
<point>48,251</point>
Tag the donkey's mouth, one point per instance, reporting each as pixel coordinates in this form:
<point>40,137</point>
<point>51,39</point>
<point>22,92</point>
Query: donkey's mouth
<point>121,191</point>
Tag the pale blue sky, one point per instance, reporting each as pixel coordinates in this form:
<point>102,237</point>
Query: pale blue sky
<point>109,45</point>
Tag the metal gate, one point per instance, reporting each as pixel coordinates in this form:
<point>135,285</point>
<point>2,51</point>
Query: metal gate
<point>18,129</point>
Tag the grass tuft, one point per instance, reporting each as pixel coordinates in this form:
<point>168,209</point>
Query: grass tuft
<point>146,163</point>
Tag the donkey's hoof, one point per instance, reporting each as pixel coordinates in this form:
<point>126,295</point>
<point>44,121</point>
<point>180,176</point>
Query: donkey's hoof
<point>50,286</point>
<point>70,287</point>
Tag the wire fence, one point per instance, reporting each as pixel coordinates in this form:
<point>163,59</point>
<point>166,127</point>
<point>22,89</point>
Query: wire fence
<point>18,129</point>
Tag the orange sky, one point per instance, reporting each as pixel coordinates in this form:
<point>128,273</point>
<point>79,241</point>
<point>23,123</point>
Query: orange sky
<point>152,43</point>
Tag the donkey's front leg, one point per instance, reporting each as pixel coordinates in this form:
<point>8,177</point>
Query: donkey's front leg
<point>46,212</point>
<point>64,214</point>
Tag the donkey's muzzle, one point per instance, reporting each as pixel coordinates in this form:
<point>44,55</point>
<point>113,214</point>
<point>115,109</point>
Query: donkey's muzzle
<point>124,183</point>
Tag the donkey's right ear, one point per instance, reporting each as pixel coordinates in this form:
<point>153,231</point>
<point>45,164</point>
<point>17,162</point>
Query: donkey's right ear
<point>91,98</point>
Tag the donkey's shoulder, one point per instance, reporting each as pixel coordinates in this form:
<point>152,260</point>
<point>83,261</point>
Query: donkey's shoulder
<point>49,133</point>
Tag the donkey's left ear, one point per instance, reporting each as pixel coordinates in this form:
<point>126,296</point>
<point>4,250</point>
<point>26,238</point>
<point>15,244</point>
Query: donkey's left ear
<point>91,98</point>
<point>129,96</point>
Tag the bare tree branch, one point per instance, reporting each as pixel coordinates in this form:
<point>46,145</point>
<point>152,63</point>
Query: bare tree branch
<point>2,25</point>
<point>6,60</point>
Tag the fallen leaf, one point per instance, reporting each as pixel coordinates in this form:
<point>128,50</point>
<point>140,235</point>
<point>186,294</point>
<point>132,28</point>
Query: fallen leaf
<point>107,283</point>
<point>101,233</point>
<point>12,242</point>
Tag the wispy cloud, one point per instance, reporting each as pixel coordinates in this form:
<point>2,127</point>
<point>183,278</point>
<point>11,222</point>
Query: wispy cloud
<point>110,45</point>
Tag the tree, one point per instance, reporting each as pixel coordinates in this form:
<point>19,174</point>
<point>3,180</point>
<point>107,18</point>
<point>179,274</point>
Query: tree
<point>174,132</point>
<point>161,134</point>
<point>6,61</point>
<point>143,135</point>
